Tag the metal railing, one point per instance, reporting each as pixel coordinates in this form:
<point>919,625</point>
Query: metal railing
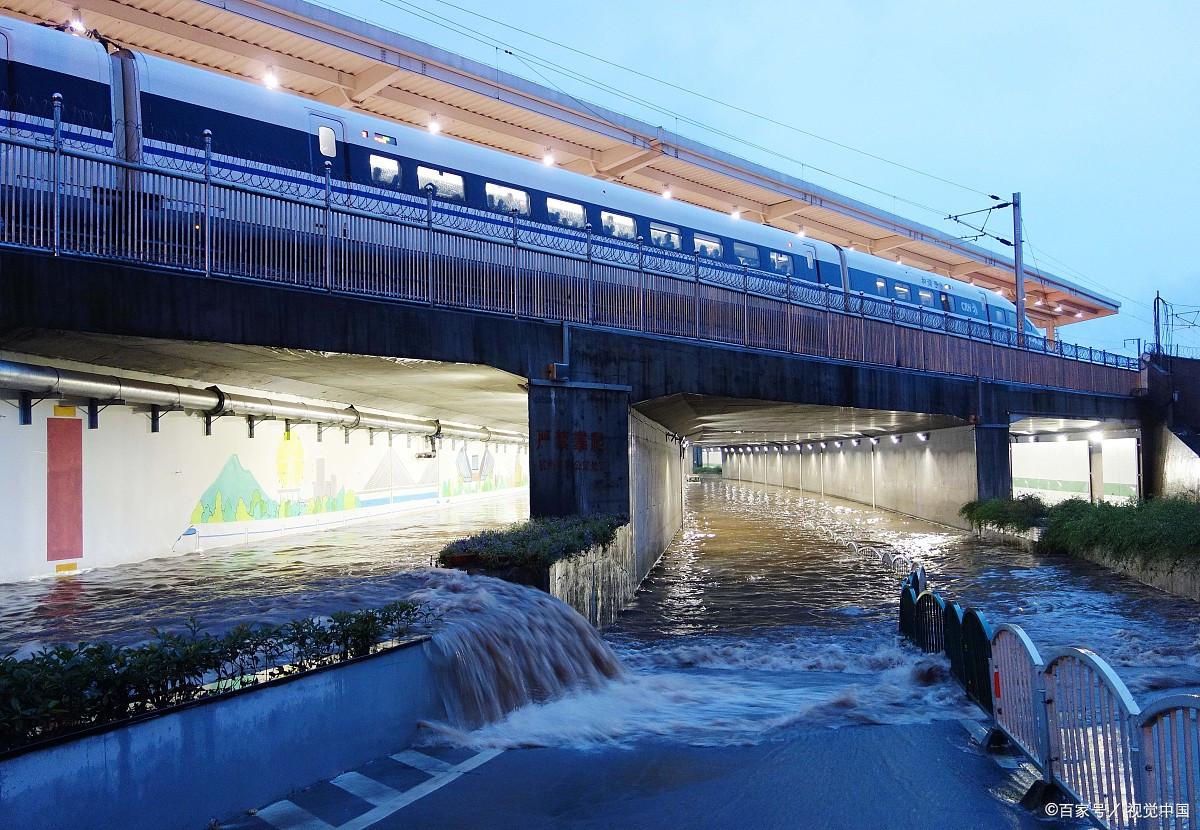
<point>324,234</point>
<point>1073,717</point>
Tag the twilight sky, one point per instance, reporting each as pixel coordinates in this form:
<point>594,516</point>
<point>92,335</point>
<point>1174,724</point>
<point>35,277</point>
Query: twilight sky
<point>1090,109</point>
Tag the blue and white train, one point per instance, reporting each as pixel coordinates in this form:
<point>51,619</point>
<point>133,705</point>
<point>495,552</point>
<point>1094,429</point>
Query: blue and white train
<point>154,111</point>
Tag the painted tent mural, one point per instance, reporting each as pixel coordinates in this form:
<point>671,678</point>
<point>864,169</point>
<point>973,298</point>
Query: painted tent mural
<point>310,484</point>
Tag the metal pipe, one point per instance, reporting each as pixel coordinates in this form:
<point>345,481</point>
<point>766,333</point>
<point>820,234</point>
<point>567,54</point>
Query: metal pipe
<point>214,401</point>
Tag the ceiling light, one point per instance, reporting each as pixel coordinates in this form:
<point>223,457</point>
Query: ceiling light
<point>854,442</point>
<point>874,440</point>
<point>924,436</point>
<point>271,79</point>
<point>548,159</point>
<point>667,193</point>
<point>1058,309</point>
<point>736,213</point>
<point>895,439</point>
<point>77,24</point>
<point>837,444</point>
<point>435,126</point>
<point>1039,302</point>
<point>802,233</point>
<point>823,445</point>
<point>1078,314</point>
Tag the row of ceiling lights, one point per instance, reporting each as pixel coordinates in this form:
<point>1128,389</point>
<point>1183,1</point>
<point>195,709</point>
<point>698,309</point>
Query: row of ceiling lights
<point>895,439</point>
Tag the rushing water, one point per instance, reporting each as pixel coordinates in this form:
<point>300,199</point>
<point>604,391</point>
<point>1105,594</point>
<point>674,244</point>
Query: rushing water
<point>751,625</point>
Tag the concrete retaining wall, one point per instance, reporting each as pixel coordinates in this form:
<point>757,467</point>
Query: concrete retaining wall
<point>928,479</point>
<point>600,582</point>
<point>216,757</point>
<point>1179,578</point>
<point>656,491</point>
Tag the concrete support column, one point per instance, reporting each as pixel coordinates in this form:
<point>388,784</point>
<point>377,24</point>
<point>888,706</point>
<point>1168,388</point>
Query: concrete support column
<point>578,448</point>
<point>1096,470</point>
<point>993,464</point>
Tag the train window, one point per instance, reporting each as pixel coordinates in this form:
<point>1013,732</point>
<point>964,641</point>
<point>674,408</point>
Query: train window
<point>997,314</point>
<point>708,246</point>
<point>445,185</point>
<point>926,298</point>
<point>781,263</point>
<point>947,306</point>
<point>568,214</point>
<point>881,286</point>
<point>385,172</point>
<point>665,236</point>
<point>506,199</point>
<point>746,254</point>
<point>902,293</point>
<point>614,224</point>
<point>327,141</point>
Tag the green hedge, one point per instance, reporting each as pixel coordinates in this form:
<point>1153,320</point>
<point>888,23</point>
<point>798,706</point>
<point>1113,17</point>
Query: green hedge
<point>707,468</point>
<point>535,543</point>
<point>1168,527</point>
<point>1019,514</point>
<point>70,688</point>
<point>1155,529</point>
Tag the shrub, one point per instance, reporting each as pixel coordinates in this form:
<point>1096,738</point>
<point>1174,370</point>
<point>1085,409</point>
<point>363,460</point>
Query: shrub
<point>535,543</point>
<point>66,688</point>
<point>714,469</point>
<point>1019,514</point>
<point>1160,528</point>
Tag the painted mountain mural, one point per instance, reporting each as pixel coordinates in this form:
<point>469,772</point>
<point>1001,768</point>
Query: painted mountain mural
<point>236,496</point>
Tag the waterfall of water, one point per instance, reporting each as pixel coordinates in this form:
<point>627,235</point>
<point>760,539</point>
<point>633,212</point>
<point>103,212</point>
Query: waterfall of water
<point>501,646</point>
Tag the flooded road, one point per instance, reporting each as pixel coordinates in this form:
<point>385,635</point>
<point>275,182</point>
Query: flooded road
<point>361,565</point>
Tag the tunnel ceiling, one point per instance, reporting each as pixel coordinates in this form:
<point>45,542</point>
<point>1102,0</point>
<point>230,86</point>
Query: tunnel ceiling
<point>454,392</point>
<point>733,421</point>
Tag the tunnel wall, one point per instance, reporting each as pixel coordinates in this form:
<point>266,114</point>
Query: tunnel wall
<point>656,473</point>
<point>928,479</point>
<point>81,498</point>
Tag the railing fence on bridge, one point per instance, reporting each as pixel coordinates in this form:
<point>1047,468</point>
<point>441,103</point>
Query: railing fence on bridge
<point>210,217</point>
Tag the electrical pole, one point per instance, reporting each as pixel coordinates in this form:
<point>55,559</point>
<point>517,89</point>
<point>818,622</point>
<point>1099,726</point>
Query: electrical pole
<point>1019,268</point>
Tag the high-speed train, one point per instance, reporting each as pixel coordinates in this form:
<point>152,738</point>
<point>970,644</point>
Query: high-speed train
<point>154,111</point>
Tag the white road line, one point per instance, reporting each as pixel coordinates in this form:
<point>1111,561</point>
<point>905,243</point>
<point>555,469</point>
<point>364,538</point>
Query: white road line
<point>423,762</point>
<point>368,789</point>
<point>285,815</point>
<point>423,789</point>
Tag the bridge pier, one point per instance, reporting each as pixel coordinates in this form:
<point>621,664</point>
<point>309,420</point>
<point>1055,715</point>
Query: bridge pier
<point>993,463</point>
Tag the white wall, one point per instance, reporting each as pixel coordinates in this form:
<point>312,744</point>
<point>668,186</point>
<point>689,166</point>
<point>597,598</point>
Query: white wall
<point>1052,470</point>
<point>148,495</point>
<point>656,468</point>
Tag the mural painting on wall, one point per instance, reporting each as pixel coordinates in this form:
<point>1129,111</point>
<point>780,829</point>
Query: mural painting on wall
<point>476,472</point>
<point>306,488</point>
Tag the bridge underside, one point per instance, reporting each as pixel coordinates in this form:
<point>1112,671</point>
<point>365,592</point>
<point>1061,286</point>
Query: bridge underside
<point>606,411</point>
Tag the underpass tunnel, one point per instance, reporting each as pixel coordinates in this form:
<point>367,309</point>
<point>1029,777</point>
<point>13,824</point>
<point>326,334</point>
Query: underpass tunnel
<point>921,464</point>
<point>128,448</point>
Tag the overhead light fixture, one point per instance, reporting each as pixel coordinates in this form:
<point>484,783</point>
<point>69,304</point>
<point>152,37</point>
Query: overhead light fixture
<point>854,442</point>
<point>1039,302</point>
<point>810,446</point>
<point>435,126</point>
<point>874,440</point>
<point>837,444</point>
<point>736,213</point>
<point>667,193</point>
<point>76,24</point>
<point>802,233</point>
<point>823,445</point>
<point>1058,309</point>
<point>271,79</point>
<point>548,159</point>
<point>924,436</point>
<point>896,439</point>
<point>1078,314</point>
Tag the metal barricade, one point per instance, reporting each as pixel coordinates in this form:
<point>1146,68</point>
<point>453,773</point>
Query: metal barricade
<point>930,621</point>
<point>1018,686</point>
<point>1170,743</point>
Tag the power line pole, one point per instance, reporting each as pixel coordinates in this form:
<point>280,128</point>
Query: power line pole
<point>1019,268</point>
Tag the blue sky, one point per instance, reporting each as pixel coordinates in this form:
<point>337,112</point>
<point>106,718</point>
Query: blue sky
<point>1090,109</point>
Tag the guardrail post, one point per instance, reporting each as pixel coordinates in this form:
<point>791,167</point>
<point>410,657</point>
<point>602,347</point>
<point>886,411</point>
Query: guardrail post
<point>1041,720</point>
<point>515,266</point>
<point>895,336</point>
<point>787,307</point>
<point>696,291</point>
<point>862,325</point>
<point>57,174</point>
<point>429,298</point>
<point>590,276</point>
<point>745,306</point>
<point>208,203</point>
<point>828,291</point>
<point>328,226</point>
<point>1137,769</point>
<point>641,286</point>
<point>921,324</point>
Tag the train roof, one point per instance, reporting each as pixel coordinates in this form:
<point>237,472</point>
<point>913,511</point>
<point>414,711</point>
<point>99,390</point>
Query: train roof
<point>340,60</point>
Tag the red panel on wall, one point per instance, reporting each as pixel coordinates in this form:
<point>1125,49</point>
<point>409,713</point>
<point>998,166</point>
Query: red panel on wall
<point>64,489</point>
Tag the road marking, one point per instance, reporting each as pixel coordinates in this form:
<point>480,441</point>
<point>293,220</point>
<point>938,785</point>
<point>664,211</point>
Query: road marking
<point>285,815</point>
<point>423,762</point>
<point>368,789</point>
<point>402,800</point>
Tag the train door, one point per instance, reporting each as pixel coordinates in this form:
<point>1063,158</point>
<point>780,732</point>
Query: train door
<point>328,142</point>
<point>947,304</point>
